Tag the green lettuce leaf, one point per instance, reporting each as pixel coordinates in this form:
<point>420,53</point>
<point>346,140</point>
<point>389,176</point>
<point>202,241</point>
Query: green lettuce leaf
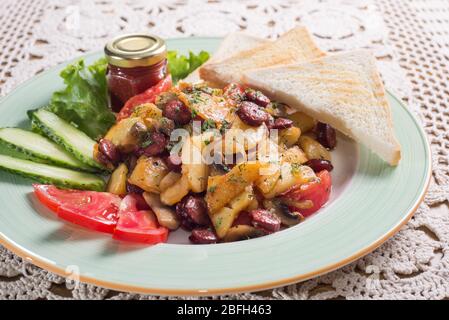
<point>84,101</point>
<point>181,66</point>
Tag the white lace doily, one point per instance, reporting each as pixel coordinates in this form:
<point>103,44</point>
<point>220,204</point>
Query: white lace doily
<point>410,40</point>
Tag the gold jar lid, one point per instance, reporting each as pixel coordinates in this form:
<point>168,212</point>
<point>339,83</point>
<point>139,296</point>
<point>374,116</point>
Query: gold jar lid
<point>135,50</point>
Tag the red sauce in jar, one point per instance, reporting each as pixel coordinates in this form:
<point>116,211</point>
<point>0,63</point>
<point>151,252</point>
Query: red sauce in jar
<point>136,63</point>
<point>124,83</point>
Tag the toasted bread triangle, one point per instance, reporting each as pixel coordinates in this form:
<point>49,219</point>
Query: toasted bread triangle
<point>232,44</point>
<point>344,90</point>
<point>293,46</point>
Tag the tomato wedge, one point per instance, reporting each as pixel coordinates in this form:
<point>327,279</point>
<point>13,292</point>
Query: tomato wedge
<point>94,210</point>
<point>133,202</point>
<point>317,191</point>
<point>148,96</point>
<point>138,225</point>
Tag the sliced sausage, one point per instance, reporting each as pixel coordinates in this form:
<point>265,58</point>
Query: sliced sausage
<point>156,144</point>
<point>203,236</point>
<point>257,97</point>
<point>251,114</point>
<point>280,123</point>
<point>177,111</point>
<point>265,219</point>
<point>192,210</point>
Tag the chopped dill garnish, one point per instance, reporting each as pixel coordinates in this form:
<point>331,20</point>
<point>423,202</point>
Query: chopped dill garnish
<point>146,141</point>
<point>236,179</point>
<point>208,124</point>
<point>194,113</point>
<point>225,125</point>
<point>296,168</point>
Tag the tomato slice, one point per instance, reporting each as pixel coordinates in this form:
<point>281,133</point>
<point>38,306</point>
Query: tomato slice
<point>94,210</point>
<point>317,191</point>
<point>138,225</point>
<point>52,197</point>
<point>133,202</point>
<point>148,96</point>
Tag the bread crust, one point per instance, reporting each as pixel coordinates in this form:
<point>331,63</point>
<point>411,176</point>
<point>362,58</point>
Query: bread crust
<point>233,43</point>
<point>348,81</point>
<point>293,46</point>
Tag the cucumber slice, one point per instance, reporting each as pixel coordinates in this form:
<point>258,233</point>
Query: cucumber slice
<point>35,128</point>
<point>36,148</point>
<point>67,136</point>
<point>45,173</point>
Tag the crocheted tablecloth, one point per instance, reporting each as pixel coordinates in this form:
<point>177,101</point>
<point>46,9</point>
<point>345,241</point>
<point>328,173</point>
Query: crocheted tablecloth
<point>410,40</point>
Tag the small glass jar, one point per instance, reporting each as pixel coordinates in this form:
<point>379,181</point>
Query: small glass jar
<point>136,62</point>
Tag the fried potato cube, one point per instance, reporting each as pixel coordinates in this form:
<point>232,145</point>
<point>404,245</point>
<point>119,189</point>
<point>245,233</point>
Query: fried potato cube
<point>313,149</point>
<point>117,181</point>
<point>302,121</point>
<point>165,215</point>
<point>222,189</point>
<point>266,182</point>
<point>289,136</point>
<point>121,134</point>
<point>193,165</point>
<point>176,192</point>
<point>170,179</point>
<point>291,174</point>
<point>223,219</point>
<point>294,155</point>
<point>148,173</point>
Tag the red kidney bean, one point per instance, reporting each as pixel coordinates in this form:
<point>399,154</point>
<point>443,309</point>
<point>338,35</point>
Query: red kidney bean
<point>257,97</point>
<point>318,165</point>
<point>203,236</point>
<point>132,188</point>
<point>234,91</point>
<point>243,218</point>
<point>280,123</point>
<point>266,220</point>
<point>192,210</point>
<point>177,111</point>
<point>103,159</point>
<point>251,114</point>
<point>326,135</point>
<point>109,150</point>
<point>174,162</point>
<point>157,144</point>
